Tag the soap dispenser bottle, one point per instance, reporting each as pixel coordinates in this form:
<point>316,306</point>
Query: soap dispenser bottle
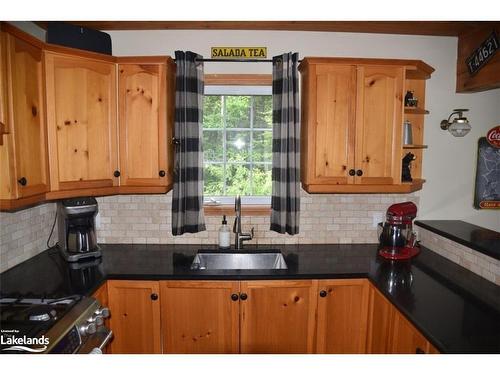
<point>224,235</point>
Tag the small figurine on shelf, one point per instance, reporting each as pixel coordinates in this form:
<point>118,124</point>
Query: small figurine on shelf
<point>406,174</point>
<point>410,100</point>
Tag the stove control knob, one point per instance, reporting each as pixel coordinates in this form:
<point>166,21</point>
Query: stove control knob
<point>97,319</point>
<point>88,329</point>
<point>103,311</point>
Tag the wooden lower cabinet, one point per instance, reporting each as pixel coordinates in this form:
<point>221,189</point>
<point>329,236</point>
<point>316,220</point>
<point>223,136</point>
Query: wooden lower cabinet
<point>339,316</point>
<point>380,317</point>
<point>342,316</point>
<point>200,316</point>
<point>406,339</point>
<point>278,316</point>
<point>389,332</point>
<point>135,316</point>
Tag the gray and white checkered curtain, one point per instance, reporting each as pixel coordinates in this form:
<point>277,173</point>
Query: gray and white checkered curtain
<point>187,197</point>
<point>285,200</point>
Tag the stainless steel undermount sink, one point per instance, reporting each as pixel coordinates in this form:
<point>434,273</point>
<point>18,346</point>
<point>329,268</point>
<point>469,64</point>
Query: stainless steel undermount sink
<point>239,260</point>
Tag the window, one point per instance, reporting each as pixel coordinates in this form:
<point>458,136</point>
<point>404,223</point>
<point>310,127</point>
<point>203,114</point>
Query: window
<point>237,143</point>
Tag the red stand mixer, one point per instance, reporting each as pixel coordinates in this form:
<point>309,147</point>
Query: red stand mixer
<point>397,238</point>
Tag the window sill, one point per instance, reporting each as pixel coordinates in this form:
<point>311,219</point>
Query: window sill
<point>228,209</point>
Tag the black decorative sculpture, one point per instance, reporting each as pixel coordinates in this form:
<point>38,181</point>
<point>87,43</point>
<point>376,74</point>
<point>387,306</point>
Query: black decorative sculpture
<point>406,174</point>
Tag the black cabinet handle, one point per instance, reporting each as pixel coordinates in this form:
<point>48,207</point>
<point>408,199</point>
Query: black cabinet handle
<point>359,172</point>
<point>161,173</point>
<point>352,172</point>
<point>234,297</point>
<point>419,351</point>
<point>322,293</point>
<point>23,181</point>
<point>243,296</point>
<point>116,173</point>
<point>154,296</point>
<point>176,141</point>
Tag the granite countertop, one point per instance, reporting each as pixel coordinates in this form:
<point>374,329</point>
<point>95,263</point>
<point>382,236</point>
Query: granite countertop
<point>458,311</point>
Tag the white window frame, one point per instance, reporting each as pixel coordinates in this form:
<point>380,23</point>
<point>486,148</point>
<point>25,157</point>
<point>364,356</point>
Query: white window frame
<point>237,90</point>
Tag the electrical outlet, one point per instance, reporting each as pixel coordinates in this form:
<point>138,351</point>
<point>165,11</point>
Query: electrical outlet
<point>377,218</point>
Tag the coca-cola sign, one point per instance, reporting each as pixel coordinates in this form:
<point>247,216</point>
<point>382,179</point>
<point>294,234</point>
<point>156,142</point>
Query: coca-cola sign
<point>493,136</point>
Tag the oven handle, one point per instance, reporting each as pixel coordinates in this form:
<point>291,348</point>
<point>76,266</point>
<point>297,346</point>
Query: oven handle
<point>96,342</point>
<point>106,340</point>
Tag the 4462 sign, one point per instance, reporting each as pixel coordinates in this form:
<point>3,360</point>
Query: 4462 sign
<point>482,54</point>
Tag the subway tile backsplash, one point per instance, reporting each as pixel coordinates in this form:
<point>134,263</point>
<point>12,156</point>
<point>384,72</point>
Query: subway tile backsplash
<point>325,218</point>
<point>483,265</point>
<point>24,234</point>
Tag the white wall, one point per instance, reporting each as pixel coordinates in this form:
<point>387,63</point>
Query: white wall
<point>449,163</point>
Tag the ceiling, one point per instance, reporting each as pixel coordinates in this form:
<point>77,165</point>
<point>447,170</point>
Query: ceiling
<point>435,28</point>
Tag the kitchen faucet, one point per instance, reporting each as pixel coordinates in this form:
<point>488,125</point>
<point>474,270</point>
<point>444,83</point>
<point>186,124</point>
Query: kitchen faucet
<point>239,236</point>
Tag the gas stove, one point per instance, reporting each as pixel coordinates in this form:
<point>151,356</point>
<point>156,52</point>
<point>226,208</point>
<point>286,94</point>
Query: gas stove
<point>70,324</point>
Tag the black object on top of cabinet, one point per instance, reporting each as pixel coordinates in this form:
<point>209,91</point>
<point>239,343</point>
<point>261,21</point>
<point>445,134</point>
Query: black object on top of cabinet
<point>79,37</point>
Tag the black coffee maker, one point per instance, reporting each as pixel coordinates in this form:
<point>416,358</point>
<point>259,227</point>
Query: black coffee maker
<point>76,227</point>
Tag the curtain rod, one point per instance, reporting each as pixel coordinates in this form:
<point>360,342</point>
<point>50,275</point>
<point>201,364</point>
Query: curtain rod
<point>237,60</point>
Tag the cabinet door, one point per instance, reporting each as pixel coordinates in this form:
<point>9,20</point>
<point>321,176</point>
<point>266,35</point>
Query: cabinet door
<point>277,316</point>
<point>380,317</point>
<point>342,316</point>
<point>200,317</point>
<point>27,117</point>
<point>7,183</point>
<point>333,133</point>
<point>406,339</point>
<point>378,124</point>
<point>142,98</point>
<point>81,115</point>
<point>135,316</point>
<point>4,128</point>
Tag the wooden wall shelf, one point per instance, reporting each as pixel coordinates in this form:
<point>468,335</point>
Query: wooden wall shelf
<point>414,147</point>
<point>405,187</point>
<point>416,111</point>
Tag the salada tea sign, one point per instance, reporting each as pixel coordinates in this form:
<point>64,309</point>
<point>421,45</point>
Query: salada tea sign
<point>239,52</point>
<point>487,191</point>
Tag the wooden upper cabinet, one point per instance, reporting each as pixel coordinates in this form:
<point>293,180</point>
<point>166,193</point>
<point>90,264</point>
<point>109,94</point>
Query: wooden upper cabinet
<point>330,124</point>
<point>135,316</point>
<point>342,316</point>
<point>81,116</point>
<point>22,111</point>
<point>7,181</point>
<point>278,316</point>
<point>144,111</point>
<point>379,124</point>
<point>352,124</point>
<point>4,124</point>
<point>200,317</point>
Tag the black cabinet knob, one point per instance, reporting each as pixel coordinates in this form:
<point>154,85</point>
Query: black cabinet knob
<point>419,351</point>
<point>23,181</point>
<point>234,297</point>
<point>154,296</point>
<point>352,172</point>
<point>176,141</point>
<point>161,173</point>
<point>243,296</point>
<point>359,172</point>
<point>116,173</point>
<point>322,293</point>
